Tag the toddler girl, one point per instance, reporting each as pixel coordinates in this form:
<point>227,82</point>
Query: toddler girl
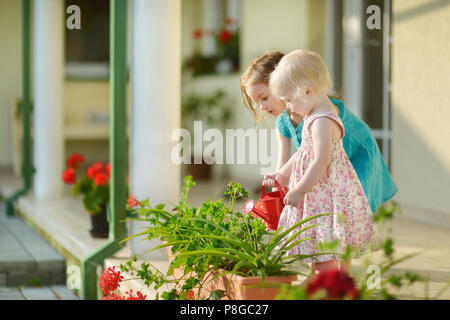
<point>320,176</point>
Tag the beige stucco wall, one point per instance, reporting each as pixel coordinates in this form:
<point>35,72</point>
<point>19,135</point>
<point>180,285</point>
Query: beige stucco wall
<point>266,25</point>
<point>421,103</point>
<point>11,71</point>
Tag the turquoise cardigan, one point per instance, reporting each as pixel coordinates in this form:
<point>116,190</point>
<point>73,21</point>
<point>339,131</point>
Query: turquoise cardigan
<point>362,150</point>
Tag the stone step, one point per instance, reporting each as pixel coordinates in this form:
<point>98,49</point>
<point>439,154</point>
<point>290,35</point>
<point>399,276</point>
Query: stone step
<point>25,258</point>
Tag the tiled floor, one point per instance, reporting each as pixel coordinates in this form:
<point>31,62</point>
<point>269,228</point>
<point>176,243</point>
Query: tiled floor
<point>57,292</point>
<point>26,257</point>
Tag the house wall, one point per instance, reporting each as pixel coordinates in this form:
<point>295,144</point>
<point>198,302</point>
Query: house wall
<point>11,69</point>
<point>420,104</point>
<point>262,30</point>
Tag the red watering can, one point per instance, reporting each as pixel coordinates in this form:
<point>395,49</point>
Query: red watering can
<point>268,207</point>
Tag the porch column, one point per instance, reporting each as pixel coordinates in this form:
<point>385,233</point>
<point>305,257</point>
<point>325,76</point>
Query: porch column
<point>48,82</point>
<point>233,13</point>
<point>212,19</point>
<point>352,61</point>
<point>155,101</point>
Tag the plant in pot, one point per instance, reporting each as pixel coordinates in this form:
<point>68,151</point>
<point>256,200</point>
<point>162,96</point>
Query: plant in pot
<point>335,284</point>
<point>217,251</point>
<point>214,110</point>
<point>93,184</point>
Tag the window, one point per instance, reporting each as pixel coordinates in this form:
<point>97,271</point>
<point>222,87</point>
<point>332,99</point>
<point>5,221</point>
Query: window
<point>213,40</point>
<point>87,49</point>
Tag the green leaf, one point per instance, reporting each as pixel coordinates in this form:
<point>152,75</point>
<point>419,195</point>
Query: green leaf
<point>217,294</point>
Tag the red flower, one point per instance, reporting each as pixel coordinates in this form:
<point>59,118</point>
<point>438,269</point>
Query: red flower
<point>225,36</point>
<point>108,169</point>
<point>190,295</point>
<point>138,296</point>
<point>109,280</point>
<point>113,296</point>
<point>94,169</point>
<point>230,21</point>
<point>337,284</point>
<point>197,34</point>
<point>132,202</point>
<point>100,179</point>
<point>69,176</point>
<point>75,160</point>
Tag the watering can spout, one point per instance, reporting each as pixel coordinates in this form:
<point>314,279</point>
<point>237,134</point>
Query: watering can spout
<point>261,214</point>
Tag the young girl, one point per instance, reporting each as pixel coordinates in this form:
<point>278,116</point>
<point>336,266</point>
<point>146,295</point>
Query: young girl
<point>359,142</point>
<point>320,176</point>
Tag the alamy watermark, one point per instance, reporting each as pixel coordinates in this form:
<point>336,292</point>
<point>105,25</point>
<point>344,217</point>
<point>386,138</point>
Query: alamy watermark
<point>374,20</point>
<point>237,146</point>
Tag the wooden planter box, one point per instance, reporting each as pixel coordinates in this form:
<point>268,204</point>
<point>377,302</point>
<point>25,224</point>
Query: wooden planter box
<point>237,287</point>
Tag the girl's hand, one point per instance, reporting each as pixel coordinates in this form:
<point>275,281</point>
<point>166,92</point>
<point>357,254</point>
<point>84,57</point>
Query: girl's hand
<point>294,198</point>
<point>269,179</point>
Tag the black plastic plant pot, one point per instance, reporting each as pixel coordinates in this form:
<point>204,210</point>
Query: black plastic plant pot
<point>99,224</point>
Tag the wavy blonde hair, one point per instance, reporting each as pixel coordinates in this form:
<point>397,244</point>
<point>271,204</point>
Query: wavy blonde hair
<point>299,69</point>
<point>259,70</point>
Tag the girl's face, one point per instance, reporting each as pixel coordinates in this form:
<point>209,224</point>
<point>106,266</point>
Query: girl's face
<point>260,93</point>
<point>302,103</point>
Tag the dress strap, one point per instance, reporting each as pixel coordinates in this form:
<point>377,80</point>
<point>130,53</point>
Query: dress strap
<point>329,114</point>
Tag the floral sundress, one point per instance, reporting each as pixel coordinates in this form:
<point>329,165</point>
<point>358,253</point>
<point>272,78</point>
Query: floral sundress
<point>339,192</point>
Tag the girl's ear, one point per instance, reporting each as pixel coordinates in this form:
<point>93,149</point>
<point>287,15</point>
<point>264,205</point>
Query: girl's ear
<point>308,91</point>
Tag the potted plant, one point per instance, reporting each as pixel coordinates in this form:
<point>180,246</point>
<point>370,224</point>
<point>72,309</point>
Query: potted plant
<point>215,111</point>
<point>217,251</point>
<point>93,184</point>
<point>335,284</point>
<point>225,57</point>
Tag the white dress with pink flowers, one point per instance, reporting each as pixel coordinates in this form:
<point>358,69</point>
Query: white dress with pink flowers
<point>339,192</point>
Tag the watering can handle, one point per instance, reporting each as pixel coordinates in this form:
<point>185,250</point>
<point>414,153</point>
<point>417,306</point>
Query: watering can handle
<point>282,193</point>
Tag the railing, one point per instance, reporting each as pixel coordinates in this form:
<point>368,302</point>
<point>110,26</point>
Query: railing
<point>27,167</point>
<point>118,150</point>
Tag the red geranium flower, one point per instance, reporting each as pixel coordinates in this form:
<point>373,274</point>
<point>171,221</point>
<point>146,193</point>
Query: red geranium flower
<point>100,179</point>
<point>190,295</point>
<point>197,34</point>
<point>113,296</point>
<point>132,202</point>
<point>108,169</point>
<point>69,176</point>
<point>109,280</point>
<point>94,169</point>
<point>336,283</point>
<point>230,20</point>
<point>138,296</point>
<point>225,36</point>
<point>75,160</point>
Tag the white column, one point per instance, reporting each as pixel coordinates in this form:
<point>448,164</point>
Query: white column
<point>212,20</point>
<point>352,56</point>
<point>155,98</point>
<point>330,34</point>
<point>234,13</point>
<point>48,82</point>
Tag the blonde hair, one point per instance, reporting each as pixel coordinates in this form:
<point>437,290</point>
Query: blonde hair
<point>299,69</point>
<point>258,71</point>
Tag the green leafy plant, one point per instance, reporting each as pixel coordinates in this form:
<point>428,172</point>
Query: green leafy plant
<point>212,241</point>
<point>213,106</point>
<point>366,290</point>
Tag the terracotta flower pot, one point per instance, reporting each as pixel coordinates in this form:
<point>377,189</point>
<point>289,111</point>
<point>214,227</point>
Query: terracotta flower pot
<point>237,287</point>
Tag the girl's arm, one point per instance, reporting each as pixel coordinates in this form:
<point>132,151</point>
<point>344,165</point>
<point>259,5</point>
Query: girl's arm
<point>284,165</point>
<point>281,175</point>
<point>284,148</point>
